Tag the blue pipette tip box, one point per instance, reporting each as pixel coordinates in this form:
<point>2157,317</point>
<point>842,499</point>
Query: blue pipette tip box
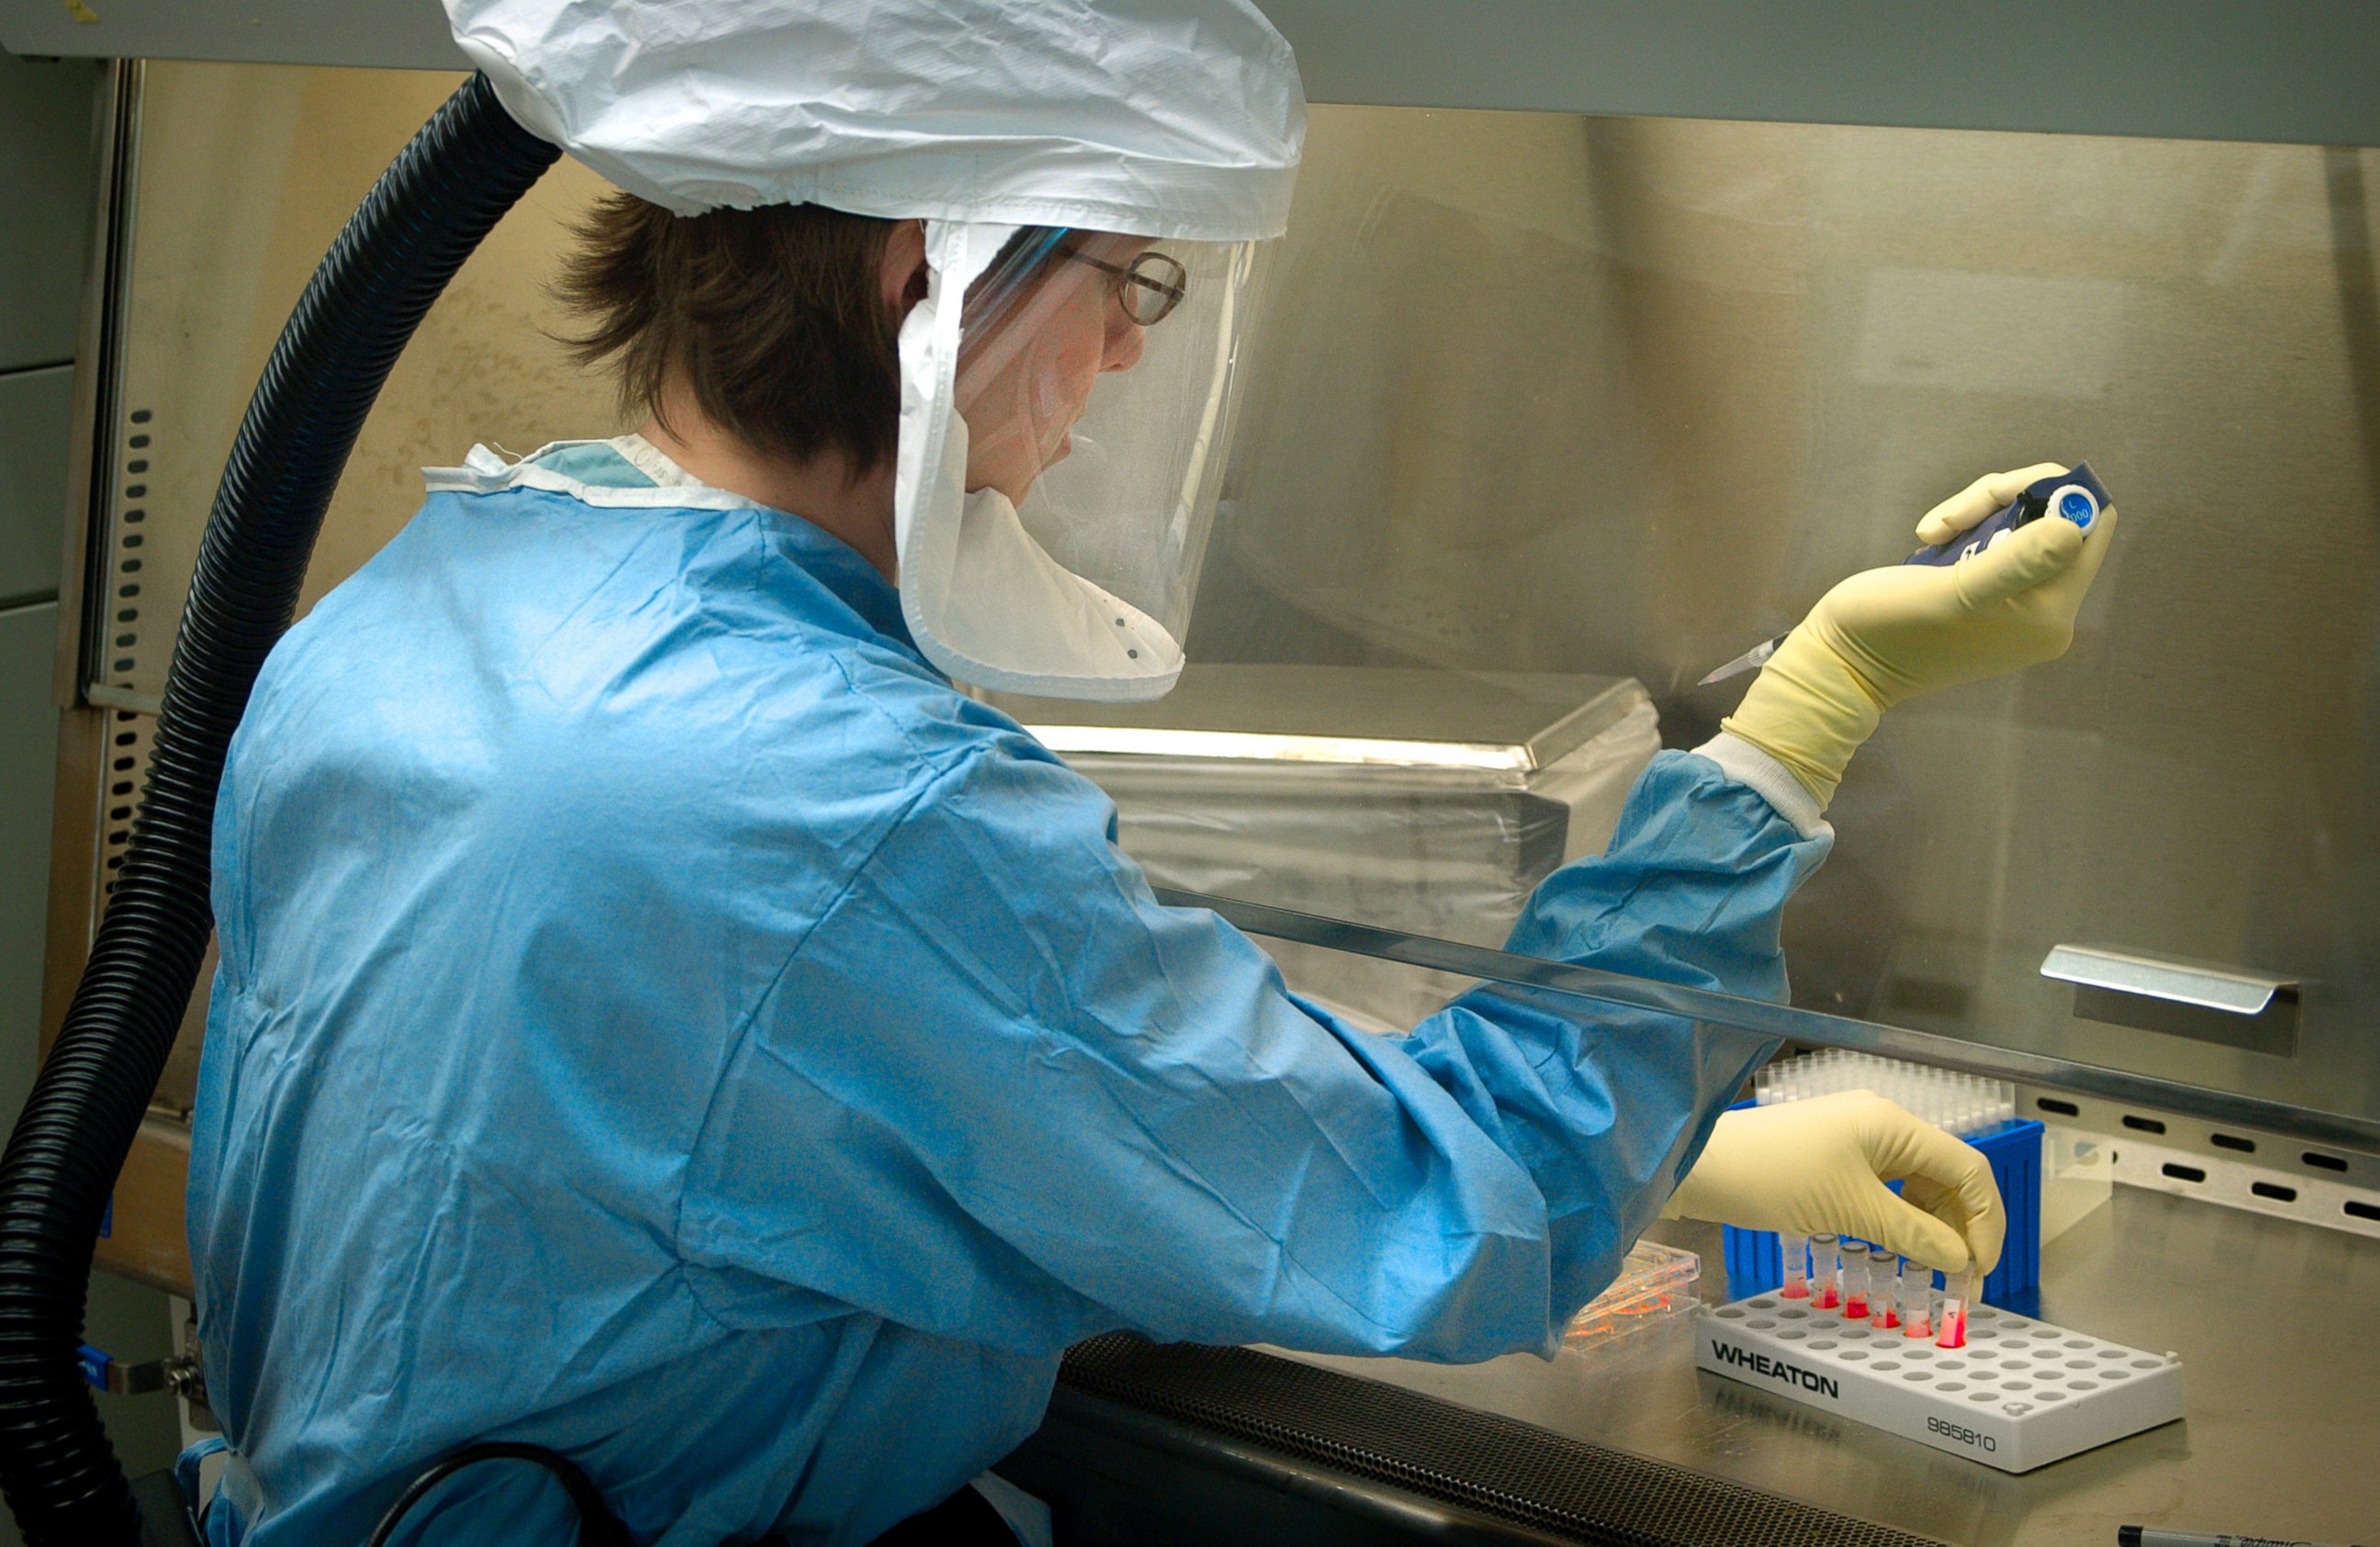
<point>1755,1262</point>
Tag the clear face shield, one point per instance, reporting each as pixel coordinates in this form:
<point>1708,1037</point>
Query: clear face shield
<point>1063,433</point>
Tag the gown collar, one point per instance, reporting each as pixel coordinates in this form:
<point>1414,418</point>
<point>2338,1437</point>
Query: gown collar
<point>630,471</point>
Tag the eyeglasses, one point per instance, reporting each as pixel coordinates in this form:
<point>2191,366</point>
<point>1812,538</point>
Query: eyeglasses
<point>1148,288</point>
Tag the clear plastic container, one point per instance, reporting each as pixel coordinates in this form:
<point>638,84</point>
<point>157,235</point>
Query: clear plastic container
<point>1655,1283</point>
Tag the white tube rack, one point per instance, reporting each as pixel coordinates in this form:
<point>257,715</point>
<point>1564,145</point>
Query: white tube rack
<point>2021,1394</point>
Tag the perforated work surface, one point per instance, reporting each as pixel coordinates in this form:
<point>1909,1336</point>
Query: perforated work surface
<point>1491,1465</point>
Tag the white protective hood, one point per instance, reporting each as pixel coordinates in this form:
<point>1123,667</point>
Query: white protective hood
<point>1080,129</point>
<point>1178,119</point>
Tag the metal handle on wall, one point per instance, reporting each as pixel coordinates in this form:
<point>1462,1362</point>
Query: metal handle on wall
<point>2204,1001</point>
<point>2177,980</point>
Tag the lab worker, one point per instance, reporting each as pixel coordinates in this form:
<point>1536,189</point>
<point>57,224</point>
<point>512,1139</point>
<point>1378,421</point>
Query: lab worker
<point>663,1018</point>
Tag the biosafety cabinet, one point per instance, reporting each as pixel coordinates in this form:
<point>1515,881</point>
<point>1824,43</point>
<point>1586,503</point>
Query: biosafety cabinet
<point>1604,339</point>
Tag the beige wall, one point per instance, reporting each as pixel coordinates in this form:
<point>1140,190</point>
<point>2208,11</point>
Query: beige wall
<point>1624,396</point>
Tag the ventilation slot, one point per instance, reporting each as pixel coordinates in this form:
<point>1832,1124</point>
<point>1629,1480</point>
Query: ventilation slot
<point>124,646</point>
<point>128,741</point>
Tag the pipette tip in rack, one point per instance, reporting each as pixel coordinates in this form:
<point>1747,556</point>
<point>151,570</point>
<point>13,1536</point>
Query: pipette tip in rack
<point>1961,1103</point>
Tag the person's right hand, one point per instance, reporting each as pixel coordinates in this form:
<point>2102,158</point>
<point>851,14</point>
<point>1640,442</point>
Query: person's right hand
<point>1886,634</point>
<point>1821,1163</point>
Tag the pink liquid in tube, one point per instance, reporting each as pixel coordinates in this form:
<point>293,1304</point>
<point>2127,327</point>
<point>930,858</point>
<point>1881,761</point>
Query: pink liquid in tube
<point>1855,1256</point>
<point>1957,1299</point>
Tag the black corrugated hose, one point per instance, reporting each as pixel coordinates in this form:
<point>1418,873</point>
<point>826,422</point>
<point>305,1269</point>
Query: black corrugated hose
<point>467,166</point>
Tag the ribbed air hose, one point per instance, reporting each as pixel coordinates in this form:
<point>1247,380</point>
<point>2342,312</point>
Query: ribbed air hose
<point>468,165</point>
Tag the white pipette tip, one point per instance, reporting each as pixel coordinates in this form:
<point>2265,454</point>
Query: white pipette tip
<point>1752,659</point>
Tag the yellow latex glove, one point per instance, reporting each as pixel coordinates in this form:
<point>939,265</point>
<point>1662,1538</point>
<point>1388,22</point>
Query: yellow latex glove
<point>1886,634</point>
<point>1821,1163</point>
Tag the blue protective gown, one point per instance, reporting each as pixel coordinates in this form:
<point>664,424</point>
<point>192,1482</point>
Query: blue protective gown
<point>662,1019</point>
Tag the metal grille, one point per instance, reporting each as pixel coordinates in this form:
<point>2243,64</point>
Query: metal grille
<point>2229,1164</point>
<point>1491,1465</point>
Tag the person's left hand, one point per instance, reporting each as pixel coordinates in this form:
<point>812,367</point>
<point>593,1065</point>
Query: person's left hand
<point>1821,1163</point>
<point>1886,634</point>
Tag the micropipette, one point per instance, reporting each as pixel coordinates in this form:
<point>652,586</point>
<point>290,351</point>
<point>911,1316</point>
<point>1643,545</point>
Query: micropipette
<point>2077,496</point>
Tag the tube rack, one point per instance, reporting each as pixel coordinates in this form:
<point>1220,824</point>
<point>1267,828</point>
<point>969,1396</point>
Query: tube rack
<point>2022,1393</point>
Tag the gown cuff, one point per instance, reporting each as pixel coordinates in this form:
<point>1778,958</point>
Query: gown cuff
<point>1747,764</point>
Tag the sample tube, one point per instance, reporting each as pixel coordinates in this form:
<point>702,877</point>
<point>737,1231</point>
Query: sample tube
<point>1825,1272</point>
<point>1881,1289</point>
<point>1916,1299</point>
<point>1797,1265</point>
<point>1956,1299</point>
<point>1854,1260</point>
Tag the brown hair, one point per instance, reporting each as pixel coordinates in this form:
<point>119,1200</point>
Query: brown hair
<point>772,318</point>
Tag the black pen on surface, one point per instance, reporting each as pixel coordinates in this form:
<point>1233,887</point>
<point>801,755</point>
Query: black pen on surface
<point>2156,1536</point>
